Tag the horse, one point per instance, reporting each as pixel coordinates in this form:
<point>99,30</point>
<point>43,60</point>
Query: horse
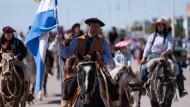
<point>161,85</point>
<point>13,88</point>
<point>29,60</point>
<point>87,81</point>
<point>129,88</point>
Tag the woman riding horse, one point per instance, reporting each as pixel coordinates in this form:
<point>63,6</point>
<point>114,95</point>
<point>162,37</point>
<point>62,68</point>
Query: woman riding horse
<point>161,43</point>
<point>9,42</point>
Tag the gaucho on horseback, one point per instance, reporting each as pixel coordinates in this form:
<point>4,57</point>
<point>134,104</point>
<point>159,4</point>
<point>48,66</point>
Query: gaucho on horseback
<point>89,44</point>
<point>8,43</point>
<point>161,44</point>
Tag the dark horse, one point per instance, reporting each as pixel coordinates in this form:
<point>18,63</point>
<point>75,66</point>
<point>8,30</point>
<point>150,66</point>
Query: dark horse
<point>129,88</point>
<point>13,89</point>
<point>161,85</point>
<point>87,78</point>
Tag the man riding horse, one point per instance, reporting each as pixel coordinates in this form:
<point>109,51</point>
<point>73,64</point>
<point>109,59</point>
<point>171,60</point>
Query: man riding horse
<point>88,45</point>
<point>8,42</point>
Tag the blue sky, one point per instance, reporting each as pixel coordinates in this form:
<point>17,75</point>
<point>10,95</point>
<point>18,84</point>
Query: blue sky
<point>20,13</point>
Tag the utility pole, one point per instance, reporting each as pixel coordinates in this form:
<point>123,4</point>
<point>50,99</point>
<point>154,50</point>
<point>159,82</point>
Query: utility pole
<point>143,23</point>
<point>129,16</point>
<point>172,18</point>
<point>109,11</point>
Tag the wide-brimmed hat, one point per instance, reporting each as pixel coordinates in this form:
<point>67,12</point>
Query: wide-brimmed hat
<point>94,20</point>
<point>8,29</point>
<point>161,20</point>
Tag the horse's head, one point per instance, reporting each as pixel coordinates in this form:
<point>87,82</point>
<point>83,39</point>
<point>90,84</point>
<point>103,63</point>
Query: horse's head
<point>164,74</point>
<point>129,87</point>
<point>7,63</point>
<point>164,85</point>
<point>87,79</point>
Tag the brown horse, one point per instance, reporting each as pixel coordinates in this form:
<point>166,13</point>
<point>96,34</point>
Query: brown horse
<point>13,88</point>
<point>129,88</point>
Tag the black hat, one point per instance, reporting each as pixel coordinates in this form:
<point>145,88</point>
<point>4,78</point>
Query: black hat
<point>76,24</point>
<point>94,20</point>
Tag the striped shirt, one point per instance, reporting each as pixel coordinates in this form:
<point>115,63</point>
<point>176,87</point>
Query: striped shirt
<point>158,45</point>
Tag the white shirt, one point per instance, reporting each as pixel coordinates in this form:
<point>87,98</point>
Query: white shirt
<point>158,45</point>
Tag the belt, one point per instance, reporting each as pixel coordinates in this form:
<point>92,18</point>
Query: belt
<point>158,53</point>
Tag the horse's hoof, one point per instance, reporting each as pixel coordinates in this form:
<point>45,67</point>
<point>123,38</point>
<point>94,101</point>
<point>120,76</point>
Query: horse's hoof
<point>143,93</point>
<point>40,98</point>
<point>30,97</point>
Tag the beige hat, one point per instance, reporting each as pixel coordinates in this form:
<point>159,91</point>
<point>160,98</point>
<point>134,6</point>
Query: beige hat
<point>161,20</point>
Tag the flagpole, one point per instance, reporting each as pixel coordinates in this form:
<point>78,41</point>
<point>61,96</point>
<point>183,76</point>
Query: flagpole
<point>59,60</point>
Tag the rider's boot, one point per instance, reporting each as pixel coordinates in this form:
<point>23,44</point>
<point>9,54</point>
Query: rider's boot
<point>184,93</point>
<point>180,83</point>
<point>143,90</point>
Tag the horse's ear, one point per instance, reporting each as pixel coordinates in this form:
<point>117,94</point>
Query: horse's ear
<point>3,50</point>
<point>13,49</point>
<point>80,57</point>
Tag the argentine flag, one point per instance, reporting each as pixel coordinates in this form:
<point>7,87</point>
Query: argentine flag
<point>37,42</point>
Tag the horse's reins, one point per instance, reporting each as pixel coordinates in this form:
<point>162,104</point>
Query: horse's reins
<point>19,78</point>
<point>106,86</point>
<point>175,83</point>
<point>176,99</point>
<point>12,94</point>
<point>133,88</point>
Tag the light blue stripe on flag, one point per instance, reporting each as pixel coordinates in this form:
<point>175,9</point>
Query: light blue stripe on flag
<point>37,42</point>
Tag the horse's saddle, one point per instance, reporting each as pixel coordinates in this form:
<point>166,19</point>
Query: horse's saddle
<point>151,65</point>
<point>116,72</point>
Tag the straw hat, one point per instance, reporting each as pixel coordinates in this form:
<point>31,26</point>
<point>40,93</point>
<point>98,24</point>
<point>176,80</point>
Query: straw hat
<point>161,20</point>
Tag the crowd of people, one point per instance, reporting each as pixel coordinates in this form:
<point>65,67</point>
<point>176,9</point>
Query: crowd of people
<point>110,48</point>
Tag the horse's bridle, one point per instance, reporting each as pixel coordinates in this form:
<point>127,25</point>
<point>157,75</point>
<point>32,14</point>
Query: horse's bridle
<point>132,87</point>
<point>8,56</point>
<point>166,83</point>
